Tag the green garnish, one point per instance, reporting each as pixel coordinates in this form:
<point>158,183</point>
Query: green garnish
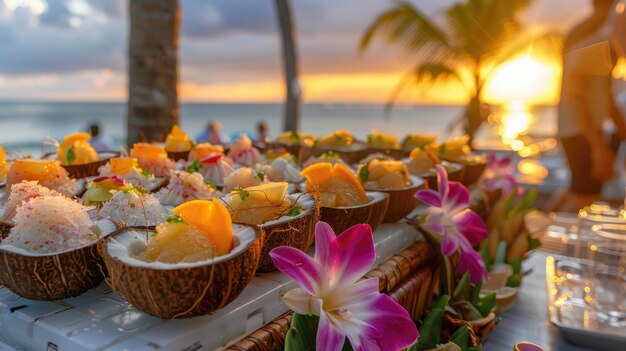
<point>193,144</point>
<point>330,155</point>
<point>364,172</point>
<point>146,173</point>
<point>71,155</point>
<point>442,149</point>
<point>210,184</point>
<point>294,211</point>
<point>195,166</point>
<point>243,193</point>
<point>294,136</point>
<point>260,175</point>
<point>175,219</point>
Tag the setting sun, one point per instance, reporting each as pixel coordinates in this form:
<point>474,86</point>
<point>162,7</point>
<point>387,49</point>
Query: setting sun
<point>525,78</point>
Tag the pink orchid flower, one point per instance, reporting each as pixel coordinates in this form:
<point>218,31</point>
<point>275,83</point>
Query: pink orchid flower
<point>330,287</point>
<point>459,227</point>
<point>499,175</point>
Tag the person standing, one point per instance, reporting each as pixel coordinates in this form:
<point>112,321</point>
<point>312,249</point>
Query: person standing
<point>586,103</point>
<point>99,141</point>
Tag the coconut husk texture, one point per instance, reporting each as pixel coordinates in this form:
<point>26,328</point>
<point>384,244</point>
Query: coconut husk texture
<point>397,154</point>
<point>179,155</point>
<point>409,277</point>
<point>342,218</point>
<point>298,233</point>
<point>348,156</point>
<point>185,292</point>
<point>53,277</point>
<point>87,169</point>
<point>401,202</point>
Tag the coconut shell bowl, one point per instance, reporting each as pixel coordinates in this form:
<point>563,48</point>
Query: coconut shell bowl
<point>349,155</point>
<point>178,155</point>
<point>372,213</point>
<point>455,173</point>
<point>402,201</point>
<point>186,289</point>
<point>51,277</point>
<point>473,167</point>
<point>87,169</point>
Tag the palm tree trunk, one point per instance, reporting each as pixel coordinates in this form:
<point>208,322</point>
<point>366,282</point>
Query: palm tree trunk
<point>290,60</point>
<point>474,115</point>
<point>152,69</point>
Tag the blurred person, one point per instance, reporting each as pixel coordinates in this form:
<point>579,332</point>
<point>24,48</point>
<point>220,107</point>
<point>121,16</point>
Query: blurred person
<point>213,134</point>
<point>261,133</point>
<point>99,141</point>
<point>587,103</point>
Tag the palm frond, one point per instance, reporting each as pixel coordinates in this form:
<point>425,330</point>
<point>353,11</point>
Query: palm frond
<point>408,27</point>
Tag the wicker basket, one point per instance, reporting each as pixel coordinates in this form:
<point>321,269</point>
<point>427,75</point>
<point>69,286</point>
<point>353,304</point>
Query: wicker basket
<point>177,156</point>
<point>88,169</point>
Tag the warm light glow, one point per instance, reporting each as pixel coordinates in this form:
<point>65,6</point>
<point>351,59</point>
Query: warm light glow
<point>513,122</point>
<point>525,78</point>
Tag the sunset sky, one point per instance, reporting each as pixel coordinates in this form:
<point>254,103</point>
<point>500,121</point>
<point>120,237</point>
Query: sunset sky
<point>230,52</point>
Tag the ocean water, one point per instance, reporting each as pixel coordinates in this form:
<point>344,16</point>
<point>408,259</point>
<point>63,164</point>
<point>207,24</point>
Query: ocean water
<point>23,125</point>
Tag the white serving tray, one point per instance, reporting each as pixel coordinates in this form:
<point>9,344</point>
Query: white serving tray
<point>102,320</point>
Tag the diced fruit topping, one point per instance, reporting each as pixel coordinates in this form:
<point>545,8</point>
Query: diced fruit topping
<point>76,150</point>
<point>177,140</point>
<point>382,140</point>
<point>212,218</point>
<point>337,180</point>
<point>384,174</point>
<point>418,140</point>
<point>338,138</point>
<point>259,204</point>
<point>149,152</point>
<point>179,242</point>
<point>203,150</point>
<point>123,165</point>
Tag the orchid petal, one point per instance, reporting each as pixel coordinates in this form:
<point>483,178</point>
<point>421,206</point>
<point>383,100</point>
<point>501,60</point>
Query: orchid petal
<point>328,337</point>
<point>448,245</point>
<point>471,261</point>
<point>457,199</point>
<point>324,239</point>
<point>434,221</point>
<point>379,324</point>
<point>355,255</point>
<point>442,180</point>
<point>299,267</point>
<point>429,197</point>
<point>302,302</point>
<point>363,290</point>
<point>471,226</point>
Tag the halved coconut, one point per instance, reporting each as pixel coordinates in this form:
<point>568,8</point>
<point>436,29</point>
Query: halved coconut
<point>402,201</point>
<point>87,169</point>
<point>473,168</point>
<point>181,290</point>
<point>398,154</point>
<point>293,149</point>
<point>297,231</point>
<point>351,155</point>
<point>57,276</point>
<point>455,173</point>
<point>372,213</point>
<point>178,155</point>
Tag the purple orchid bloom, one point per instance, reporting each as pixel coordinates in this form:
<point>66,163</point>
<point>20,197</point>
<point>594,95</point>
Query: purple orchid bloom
<point>499,175</point>
<point>330,287</point>
<point>459,227</point>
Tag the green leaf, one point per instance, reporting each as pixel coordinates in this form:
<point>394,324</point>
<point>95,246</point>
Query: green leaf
<point>533,243</point>
<point>195,166</point>
<point>442,149</point>
<point>243,193</point>
<point>364,172</point>
<point>484,253</point>
<point>516,265</point>
<point>260,175</point>
<point>500,253</point>
<point>430,330</point>
<point>514,280</point>
<point>441,302</point>
<point>210,184</point>
<point>461,337</point>
<point>146,173</point>
<point>302,333</point>
<point>175,219</point>
<point>294,211</point>
<point>71,155</point>
<point>294,136</point>
<point>467,311</point>
<point>476,293</point>
<point>462,286</point>
<point>486,304</point>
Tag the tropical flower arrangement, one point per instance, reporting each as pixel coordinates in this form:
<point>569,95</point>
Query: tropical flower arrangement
<point>333,303</point>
